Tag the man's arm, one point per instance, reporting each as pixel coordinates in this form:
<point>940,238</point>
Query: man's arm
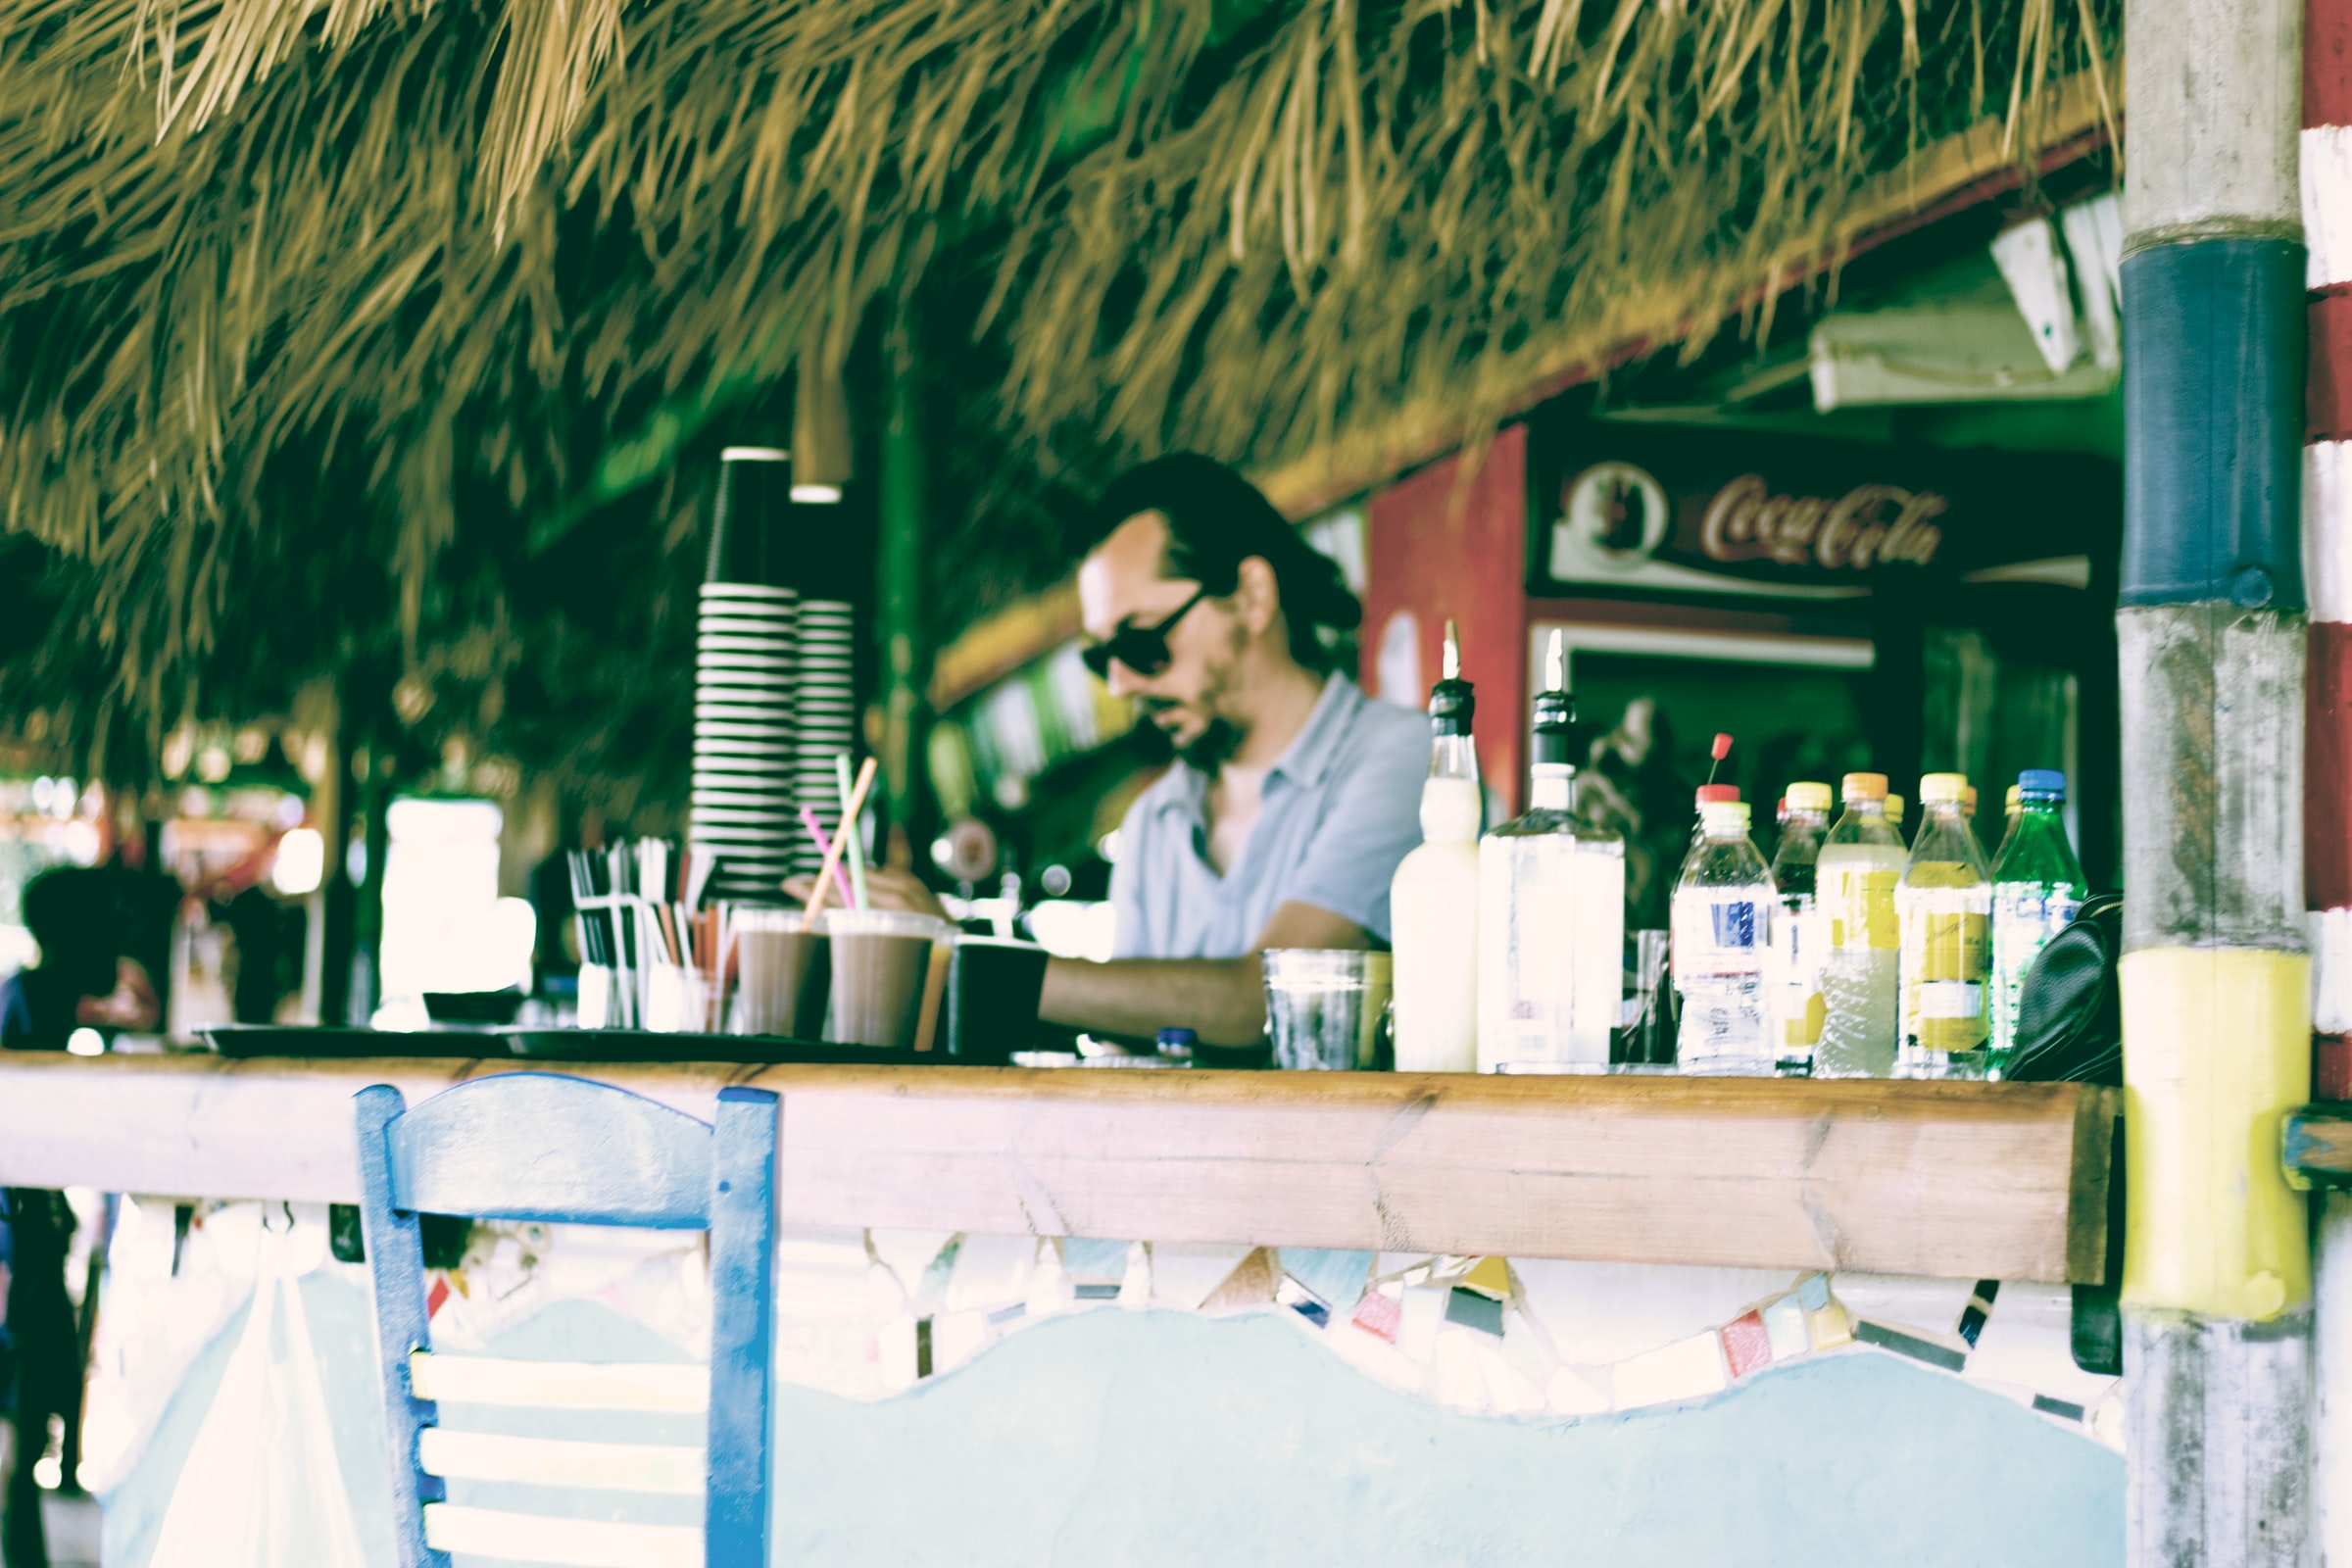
<point>1223,1000</point>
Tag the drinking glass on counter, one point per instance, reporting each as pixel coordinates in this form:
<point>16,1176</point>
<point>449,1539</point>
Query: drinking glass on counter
<point>1326,1008</point>
<point>1646,1041</point>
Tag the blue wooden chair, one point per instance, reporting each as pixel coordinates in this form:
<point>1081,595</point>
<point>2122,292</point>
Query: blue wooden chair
<point>543,1146</point>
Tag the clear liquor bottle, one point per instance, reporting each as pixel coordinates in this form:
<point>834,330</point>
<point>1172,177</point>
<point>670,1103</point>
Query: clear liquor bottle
<point>1800,935</point>
<point>1945,904</point>
<point>1550,915</point>
<point>1433,900</point>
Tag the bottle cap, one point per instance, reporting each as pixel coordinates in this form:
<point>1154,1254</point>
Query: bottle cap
<point>1894,808</point>
<point>2009,802</point>
<point>1808,797</point>
<point>2042,781</point>
<point>1451,702</point>
<point>1864,787</point>
<point>1178,1040</point>
<point>1724,816</point>
<point>1717,793</point>
<point>1968,800</point>
<point>1556,713</point>
<point>1943,789</point>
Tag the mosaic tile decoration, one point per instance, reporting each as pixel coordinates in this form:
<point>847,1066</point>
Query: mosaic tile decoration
<point>867,1315</point>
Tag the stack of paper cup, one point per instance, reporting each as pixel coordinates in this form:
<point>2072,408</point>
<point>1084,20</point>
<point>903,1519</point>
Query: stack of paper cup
<point>745,802</point>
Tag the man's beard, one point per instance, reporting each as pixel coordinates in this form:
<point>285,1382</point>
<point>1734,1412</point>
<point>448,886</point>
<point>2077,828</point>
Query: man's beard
<point>1209,750</point>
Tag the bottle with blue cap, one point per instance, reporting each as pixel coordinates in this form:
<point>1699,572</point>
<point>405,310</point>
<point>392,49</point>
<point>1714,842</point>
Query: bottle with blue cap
<point>2037,888</point>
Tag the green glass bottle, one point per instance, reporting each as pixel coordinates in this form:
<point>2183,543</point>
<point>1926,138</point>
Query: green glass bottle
<point>2037,888</point>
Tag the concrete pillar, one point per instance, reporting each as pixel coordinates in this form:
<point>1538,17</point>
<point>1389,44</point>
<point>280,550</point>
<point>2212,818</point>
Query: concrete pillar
<point>2327,182</point>
<point>2217,1015</point>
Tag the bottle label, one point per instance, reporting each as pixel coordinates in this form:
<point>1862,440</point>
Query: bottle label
<point>1799,933</point>
<point>1943,979</point>
<point>1950,998</point>
<point>1861,904</point>
<point>1715,935</point>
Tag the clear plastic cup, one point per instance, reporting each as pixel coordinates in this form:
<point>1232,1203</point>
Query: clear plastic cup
<point>881,967</point>
<point>785,974</point>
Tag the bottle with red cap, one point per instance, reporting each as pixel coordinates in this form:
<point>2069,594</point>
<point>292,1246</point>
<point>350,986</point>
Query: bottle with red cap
<point>1724,904</point>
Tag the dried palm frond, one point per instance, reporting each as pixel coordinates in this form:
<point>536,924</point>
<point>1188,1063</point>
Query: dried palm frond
<point>284,277</point>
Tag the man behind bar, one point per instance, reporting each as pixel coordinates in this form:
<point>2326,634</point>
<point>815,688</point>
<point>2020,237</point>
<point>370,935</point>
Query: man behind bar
<point>1293,797</point>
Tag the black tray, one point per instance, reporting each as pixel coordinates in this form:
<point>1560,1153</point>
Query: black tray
<point>299,1040</point>
<point>645,1044</point>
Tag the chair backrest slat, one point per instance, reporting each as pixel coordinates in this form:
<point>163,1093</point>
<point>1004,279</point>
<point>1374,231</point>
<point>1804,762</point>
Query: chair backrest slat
<point>572,1542</point>
<point>560,1385</point>
<point>561,1463</point>
<point>540,1146</point>
<point>568,1150</point>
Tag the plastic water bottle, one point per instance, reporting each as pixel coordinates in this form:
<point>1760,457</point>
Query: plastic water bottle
<point>1945,904</point>
<point>1800,935</point>
<point>1861,862</point>
<point>2037,887</point>
<point>1723,914</point>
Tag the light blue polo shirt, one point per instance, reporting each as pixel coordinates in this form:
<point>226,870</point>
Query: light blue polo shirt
<point>1342,807</point>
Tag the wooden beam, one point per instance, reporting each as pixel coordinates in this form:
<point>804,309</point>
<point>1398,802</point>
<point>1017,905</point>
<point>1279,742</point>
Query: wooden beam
<point>1969,1181</point>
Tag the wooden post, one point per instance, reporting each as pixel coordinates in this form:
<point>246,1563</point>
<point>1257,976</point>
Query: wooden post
<point>2216,1273</point>
<point>905,638</point>
<point>2327,182</point>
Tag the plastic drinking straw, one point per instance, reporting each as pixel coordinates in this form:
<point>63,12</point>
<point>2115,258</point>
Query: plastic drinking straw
<point>824,846</point>
<point>824,873</point>
<point>849,824</point>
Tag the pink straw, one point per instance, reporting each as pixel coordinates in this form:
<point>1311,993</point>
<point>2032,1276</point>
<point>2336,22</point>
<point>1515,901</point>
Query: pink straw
<point>824,847</point>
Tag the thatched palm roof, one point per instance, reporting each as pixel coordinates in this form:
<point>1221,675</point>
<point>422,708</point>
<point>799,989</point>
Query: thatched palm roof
<point>284,279</point>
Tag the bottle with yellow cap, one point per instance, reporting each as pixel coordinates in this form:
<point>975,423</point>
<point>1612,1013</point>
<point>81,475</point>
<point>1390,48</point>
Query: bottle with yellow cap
<point>1800,937</point>
<point>1945,904</point>
<point>1861,862</point>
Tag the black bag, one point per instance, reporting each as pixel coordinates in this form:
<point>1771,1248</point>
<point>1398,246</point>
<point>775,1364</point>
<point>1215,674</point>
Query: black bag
<point>2070,1028</point>
<point>2070,1015</point>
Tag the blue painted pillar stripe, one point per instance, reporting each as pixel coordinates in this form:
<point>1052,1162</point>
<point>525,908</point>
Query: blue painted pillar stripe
<point>2214,340</point>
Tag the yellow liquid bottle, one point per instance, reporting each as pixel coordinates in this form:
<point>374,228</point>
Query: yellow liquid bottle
<point>1945,904</point>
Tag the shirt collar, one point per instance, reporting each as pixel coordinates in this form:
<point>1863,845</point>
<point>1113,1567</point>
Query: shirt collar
<point>1308,755</point>
<point>1306,761</point>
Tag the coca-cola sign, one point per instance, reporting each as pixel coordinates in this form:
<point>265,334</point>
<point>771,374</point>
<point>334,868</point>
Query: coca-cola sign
<point>1870,524</point>
<point>1655,510</point>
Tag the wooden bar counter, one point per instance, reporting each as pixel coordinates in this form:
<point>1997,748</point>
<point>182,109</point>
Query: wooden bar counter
<point>1966,1180</point>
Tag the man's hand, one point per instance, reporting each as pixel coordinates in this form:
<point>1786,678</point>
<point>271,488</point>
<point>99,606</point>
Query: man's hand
<point>885,889</point>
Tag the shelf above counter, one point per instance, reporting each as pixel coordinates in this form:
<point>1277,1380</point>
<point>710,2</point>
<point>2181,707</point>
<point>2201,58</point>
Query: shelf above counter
<point>1974,1181</point>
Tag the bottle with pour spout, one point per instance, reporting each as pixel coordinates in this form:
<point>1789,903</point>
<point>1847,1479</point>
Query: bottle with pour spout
<point>1551,914</point>
<point>1433,900</point>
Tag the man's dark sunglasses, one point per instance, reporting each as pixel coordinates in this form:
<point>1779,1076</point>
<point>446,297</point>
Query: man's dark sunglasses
<point>1141,649</point>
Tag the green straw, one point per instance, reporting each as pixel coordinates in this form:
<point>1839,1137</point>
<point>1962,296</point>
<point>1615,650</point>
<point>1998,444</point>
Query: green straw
<point>855,853</point>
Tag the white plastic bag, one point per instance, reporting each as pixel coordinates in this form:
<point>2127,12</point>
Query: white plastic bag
<point>261,1487</point>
